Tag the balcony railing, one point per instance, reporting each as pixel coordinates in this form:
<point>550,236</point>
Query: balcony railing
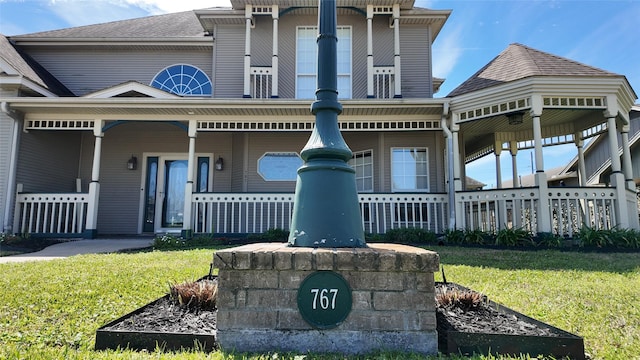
<point>50,214</point>
<point>261,82</point>
<point>383,82</point>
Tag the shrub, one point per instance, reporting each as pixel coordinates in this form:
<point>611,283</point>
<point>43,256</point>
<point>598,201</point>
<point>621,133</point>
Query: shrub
<point>477,237</point>
<point>410,236</point>
<point>454,236</point>
<point>548,239</point>
<point>514,237</point>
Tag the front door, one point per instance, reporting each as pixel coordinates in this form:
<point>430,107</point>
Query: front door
<point>166,178</point>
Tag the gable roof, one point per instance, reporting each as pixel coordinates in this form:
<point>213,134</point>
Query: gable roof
<point>17,63</point>
<point>175,25</point>
<point>517,62</point>
<point>131,89</point>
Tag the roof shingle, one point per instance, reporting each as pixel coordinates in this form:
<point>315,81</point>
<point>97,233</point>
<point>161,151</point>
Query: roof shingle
<point>518,62</point>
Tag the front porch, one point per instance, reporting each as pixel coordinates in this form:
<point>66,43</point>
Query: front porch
<point>561,211</point>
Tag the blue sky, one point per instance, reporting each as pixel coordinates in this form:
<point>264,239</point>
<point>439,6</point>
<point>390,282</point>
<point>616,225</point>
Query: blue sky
<point>601,33</point>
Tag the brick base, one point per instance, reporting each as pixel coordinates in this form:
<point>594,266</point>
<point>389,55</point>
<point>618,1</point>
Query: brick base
<point>392,288</point>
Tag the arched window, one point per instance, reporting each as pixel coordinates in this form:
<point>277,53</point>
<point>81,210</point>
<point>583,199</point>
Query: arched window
<point>183,80</point>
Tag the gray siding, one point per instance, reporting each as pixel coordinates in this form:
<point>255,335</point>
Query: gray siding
<point>48,161</point>
<point>229,60</point>
<point>85,70</point>
<point>415,57</point>
<point>262,41</point>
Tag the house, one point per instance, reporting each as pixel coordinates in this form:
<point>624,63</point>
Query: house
<point>193,122</point>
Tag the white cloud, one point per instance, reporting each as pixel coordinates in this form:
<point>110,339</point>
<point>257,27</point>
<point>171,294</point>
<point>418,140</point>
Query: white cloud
<point>447,52</point>
<point>168,6</point>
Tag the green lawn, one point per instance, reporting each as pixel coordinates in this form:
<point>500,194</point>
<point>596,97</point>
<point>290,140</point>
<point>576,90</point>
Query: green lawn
<point>52,309</point>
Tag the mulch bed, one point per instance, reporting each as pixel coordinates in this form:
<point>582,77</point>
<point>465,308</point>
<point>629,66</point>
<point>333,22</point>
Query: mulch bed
<point>484,319</point>
<point>165,316</point>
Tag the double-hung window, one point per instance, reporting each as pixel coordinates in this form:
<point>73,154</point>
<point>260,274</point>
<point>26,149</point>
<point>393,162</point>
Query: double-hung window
<point>362,163</point>
<point>307,62</point>
<point>409,169</point>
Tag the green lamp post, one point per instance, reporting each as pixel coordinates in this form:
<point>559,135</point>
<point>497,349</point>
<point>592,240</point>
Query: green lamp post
<point>326,211</point>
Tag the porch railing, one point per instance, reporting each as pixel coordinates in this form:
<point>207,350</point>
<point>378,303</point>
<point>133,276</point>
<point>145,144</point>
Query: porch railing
<point>50,214</point>
<point>256,213</point>
<point>569,209</point>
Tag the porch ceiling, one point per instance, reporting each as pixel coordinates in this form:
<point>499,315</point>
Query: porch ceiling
<point>205,109</point>
<point>483,133</point>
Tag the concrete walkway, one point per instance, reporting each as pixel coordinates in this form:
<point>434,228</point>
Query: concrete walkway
<point>76,247</point>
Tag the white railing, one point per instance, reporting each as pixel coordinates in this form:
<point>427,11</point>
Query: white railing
<point>237,213</point>
<point>383,82</point>
<point>256,213</point>
<point>261,82</point>
<point>569,209</point>
<point>50,214</point>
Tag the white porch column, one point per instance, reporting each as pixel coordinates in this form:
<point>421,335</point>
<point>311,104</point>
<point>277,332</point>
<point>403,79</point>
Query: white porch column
<point>457,164</point>
<point>397,76</point>
<point>7,226</point>
<point>187,228</point>
<point>582,170</point>
<point>543,214</point>
<point>369,51</point>
<point>91,229</point>
<point>248,11</point>
<point>617,178</point>
<point>497,150</point>
<point>513,149</point>
<point>274,59</point>
<point>626,158</point>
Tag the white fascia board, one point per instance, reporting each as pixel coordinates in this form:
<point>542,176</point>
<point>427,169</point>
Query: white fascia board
<point>131,86</point>
<point>547,86</point>
<point>21,81</point>
<point>183,42</point>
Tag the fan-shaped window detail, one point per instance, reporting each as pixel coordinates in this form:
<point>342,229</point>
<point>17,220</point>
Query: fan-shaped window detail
<point>183,80</point>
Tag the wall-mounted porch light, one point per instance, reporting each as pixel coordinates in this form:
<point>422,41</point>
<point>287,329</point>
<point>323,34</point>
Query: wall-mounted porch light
<point>515,118</point>
<point>132,164</point>
<point>219,163</point>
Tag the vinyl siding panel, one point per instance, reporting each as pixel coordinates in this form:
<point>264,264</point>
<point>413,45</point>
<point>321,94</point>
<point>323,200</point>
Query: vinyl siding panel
<point>262,41</point>
<point>48,161</point>
<point>229,58</point>
<point>382,41</point>
<point>415,58</point>
<point>87,70</point>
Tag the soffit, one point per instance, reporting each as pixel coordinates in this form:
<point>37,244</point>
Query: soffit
<point>181,109</point>
<point>241,4</point>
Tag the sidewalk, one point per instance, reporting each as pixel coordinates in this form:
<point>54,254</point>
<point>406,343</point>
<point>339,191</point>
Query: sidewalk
<point>76,247</point>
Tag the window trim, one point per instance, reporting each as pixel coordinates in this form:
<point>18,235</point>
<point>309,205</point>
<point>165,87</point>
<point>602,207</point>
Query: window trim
<point>426,150</point>
<point>372,163</point>
<point>281,153</point>
<point>314,74</point>
<point>161,85</point>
